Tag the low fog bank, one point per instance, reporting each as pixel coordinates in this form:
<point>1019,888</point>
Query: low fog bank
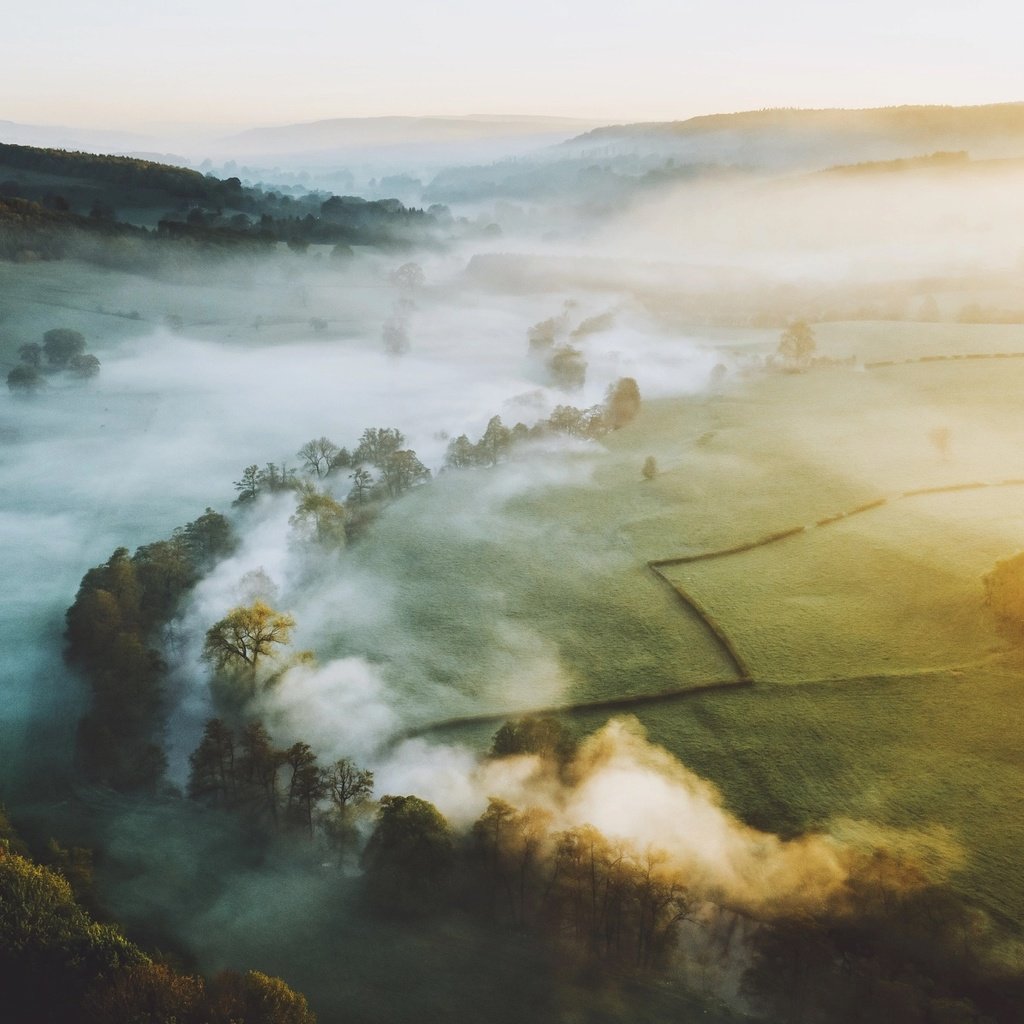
<point>835,228</point>
<point>175,415</point>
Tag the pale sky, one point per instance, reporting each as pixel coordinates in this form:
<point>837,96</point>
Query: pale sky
<point>129,63</point>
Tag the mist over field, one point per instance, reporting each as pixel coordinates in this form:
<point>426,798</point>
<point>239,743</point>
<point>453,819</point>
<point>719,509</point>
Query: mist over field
<point>696,633</point>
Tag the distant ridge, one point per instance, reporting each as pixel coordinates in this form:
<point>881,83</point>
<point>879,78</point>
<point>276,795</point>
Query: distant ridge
<point>355,133</point>
<point>983,120</point>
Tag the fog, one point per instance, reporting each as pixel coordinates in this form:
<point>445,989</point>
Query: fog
<point>428,616</point>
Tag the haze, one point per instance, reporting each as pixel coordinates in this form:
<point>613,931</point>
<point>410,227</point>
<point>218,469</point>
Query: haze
<point>234,65</point>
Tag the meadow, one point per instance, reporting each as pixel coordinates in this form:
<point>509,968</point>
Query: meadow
<point>885,698</point>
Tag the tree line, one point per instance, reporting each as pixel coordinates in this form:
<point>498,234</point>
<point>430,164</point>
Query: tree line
<point>112,634</point>
<point>620,407</point>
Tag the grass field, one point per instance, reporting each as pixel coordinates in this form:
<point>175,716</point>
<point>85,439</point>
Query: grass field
<point>885,693</point>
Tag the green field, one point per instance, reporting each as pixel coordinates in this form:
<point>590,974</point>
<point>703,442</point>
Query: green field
<point>884,693</point>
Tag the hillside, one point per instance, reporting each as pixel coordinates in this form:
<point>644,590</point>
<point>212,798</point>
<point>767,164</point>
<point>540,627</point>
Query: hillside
<point>787,137</point>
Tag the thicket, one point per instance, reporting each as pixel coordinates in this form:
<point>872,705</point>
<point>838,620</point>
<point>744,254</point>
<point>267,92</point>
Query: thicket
<point>113,639</point>
<point>58,965</point>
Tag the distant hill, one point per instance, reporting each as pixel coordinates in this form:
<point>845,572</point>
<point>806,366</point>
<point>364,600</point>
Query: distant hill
<point>782,138</point>
<point>429,139</point>
<point>71,138</point>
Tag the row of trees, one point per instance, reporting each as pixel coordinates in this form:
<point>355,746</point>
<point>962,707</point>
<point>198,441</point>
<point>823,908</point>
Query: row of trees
<point>890,945</point>
<point>319,516</point>
<point>621,405</point>
<point>112,637</point>
<point>382,448</point>
<point>62,349</point>
<point>245,772</point>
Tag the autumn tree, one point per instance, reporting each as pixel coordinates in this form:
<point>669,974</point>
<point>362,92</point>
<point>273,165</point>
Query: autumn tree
<point>509,847</point>
<point>51,951</point>
<point>245,635</point>
<point>257,998</point>
<point>149,992</point>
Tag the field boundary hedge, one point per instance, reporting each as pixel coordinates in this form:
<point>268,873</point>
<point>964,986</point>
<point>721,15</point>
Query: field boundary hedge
<point>879,364</point>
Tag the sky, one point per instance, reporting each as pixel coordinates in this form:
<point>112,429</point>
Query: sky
<point>131,64</point>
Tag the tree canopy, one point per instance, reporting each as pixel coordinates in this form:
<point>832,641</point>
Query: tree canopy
<point>245,635</point>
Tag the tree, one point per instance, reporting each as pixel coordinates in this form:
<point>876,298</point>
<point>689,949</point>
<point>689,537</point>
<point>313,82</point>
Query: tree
<point>410,852</point>
<point>275,478</point>
<point>346,784</point>
<point>461,453</point>
<point>495,442</point>
<point>402,470</point>
<point>376,444</point>
<point>60,344</point>
<point>51,951</point>
<point>85,365</point>
<point>257,998</point>
<point>395,336</point>
<point>306,785</point>
<point>248,486</point>
<point>259,765</point>
<point>543,736</point>
<point>319,455</point>
<point>207,538</point>
<point>797,343</point>
<point>212,764</point>
<point>32,354</point>
<point>149,993</point>
<point>245,635</point>
<point>408,277</point>
<point>361,483</point>
<point>649,470</point>
<point>319,517</point>
<point>567,367</point>
<point>541,336</point>
<point>622,402</point>
<point>25,380</point>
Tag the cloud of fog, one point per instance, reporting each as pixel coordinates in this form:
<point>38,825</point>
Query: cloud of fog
<point>633,790</point>
<point>831,227</point>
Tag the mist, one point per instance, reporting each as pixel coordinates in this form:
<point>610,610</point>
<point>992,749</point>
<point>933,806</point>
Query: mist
<point>495,591</point>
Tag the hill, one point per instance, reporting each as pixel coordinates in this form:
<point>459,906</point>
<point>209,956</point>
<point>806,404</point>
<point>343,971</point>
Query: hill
<point>793,137</point>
